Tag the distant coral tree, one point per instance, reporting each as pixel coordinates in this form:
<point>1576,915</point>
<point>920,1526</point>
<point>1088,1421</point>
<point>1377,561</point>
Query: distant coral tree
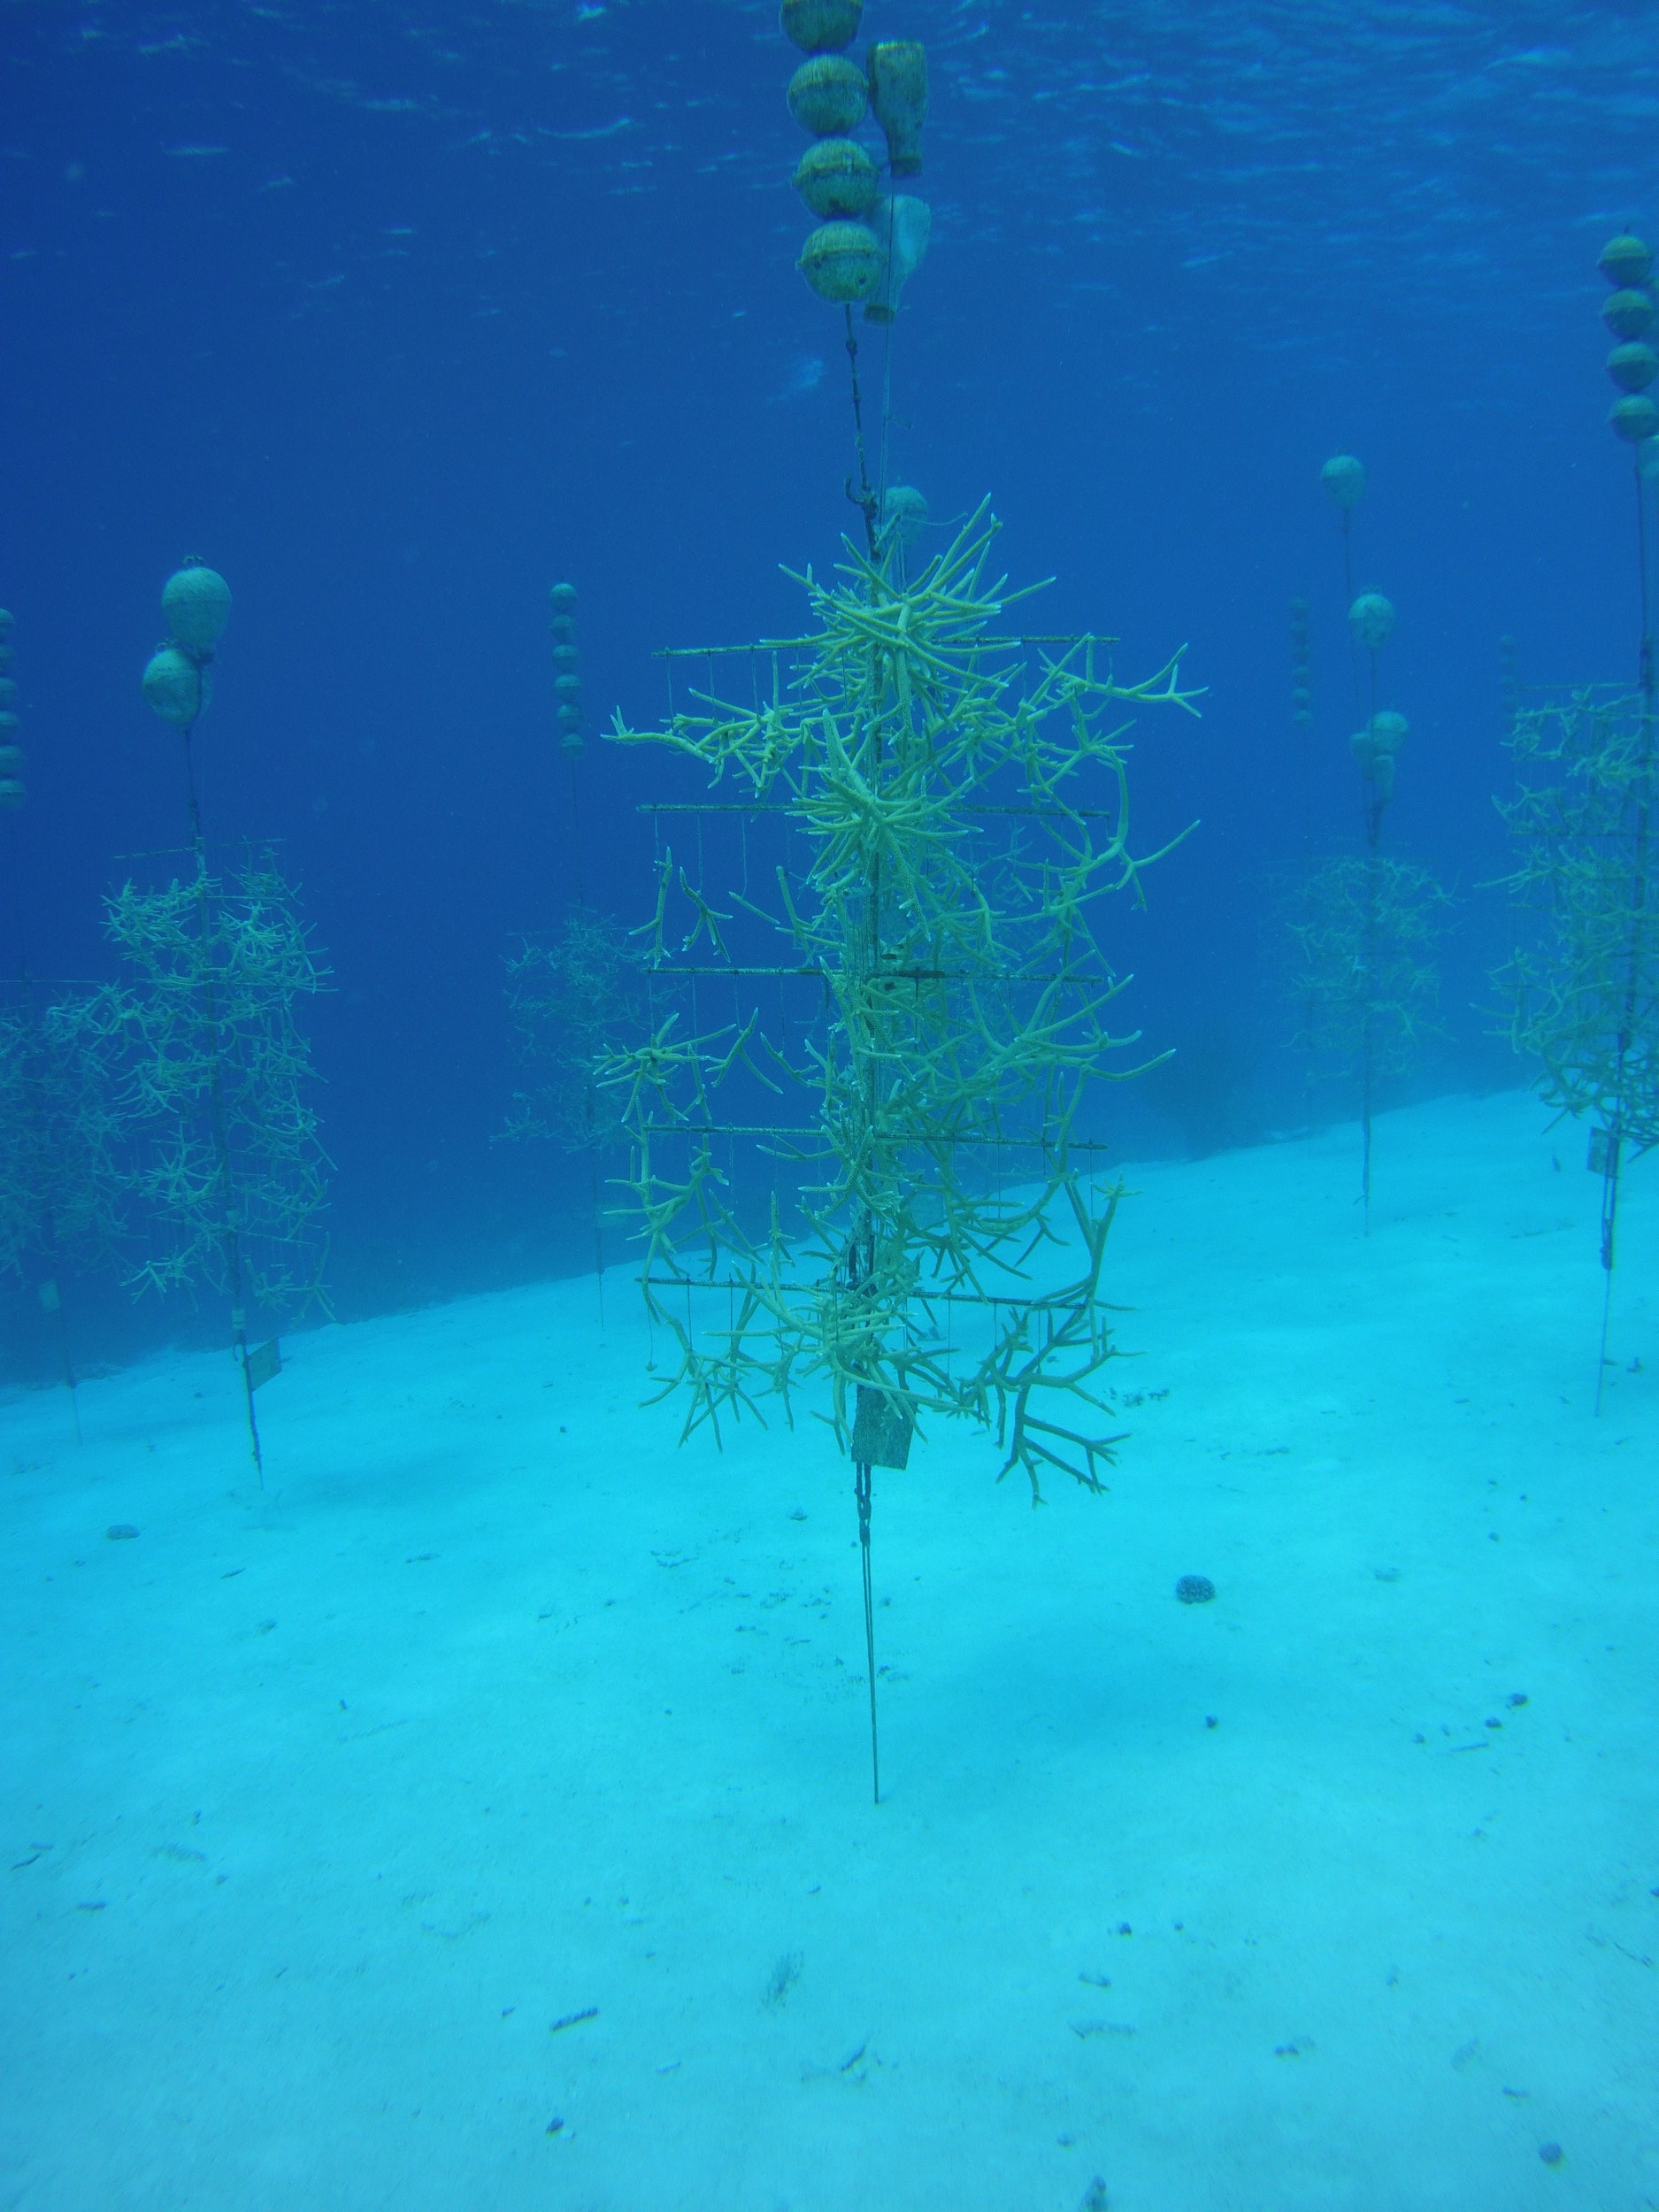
<point>208,1076</point>
<point>1583,984</point>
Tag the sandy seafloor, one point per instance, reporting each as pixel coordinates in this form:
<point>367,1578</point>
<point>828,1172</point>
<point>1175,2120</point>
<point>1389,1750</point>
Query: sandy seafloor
<point>319,1813</point>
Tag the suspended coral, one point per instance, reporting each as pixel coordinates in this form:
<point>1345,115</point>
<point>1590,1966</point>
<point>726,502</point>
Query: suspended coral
<point>572,997</point>
<point>963,812</point>
<point>60,1187</point>
<point>1584,983</point>
<point>201,1054</point>
<point>1366,928</point>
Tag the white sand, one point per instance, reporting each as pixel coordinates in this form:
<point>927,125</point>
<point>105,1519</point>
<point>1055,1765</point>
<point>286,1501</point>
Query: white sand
<point>316,1816</point>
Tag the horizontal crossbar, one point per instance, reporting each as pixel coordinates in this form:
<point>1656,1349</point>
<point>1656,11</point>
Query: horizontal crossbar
<point>961,1144</point>
<point>798,644</point>
<point>1065,1302</point>
<point>771,806</point>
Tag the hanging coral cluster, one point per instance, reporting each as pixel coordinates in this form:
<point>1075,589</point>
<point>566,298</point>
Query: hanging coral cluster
<point>567,681</point>
<point>572,998</point>
<point>1368,982</point>
<point>868,241</point>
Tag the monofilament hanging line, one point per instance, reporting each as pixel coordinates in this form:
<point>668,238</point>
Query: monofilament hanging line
<point>216,1095</point>
<point>1348,589</point>
<point>883,478</point>
<point>576,830</point>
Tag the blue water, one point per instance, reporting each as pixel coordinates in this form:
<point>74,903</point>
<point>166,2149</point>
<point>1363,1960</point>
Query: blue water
<point>396,314</point>
<point>396,318</point>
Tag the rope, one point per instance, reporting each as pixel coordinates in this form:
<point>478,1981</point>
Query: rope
<point>1348,586</point>
<point>864,499</point>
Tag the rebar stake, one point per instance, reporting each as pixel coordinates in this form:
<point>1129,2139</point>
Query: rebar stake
<point>861,1491</point>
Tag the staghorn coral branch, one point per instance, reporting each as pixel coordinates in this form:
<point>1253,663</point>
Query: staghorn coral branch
<point>966,813</point>
<point>154,1047</point>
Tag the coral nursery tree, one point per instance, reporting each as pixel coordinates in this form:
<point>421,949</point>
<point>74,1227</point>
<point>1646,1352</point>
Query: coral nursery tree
<point>204,1078</point>
<point>1584,980</point>
<point>1365,927</point>
<point>958,800</point>
<point>199,1050</point>
<point>571,996</point>
<point>210,1076</point>
<point>1584,985</point>
<point>60,1189</point>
